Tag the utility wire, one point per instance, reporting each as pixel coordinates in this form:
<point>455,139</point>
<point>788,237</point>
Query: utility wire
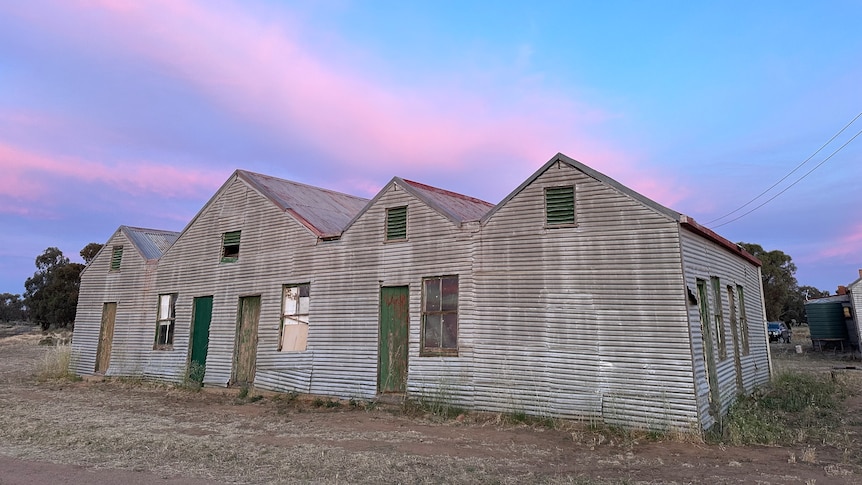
<point>797,181</point>
<point>743,206</point>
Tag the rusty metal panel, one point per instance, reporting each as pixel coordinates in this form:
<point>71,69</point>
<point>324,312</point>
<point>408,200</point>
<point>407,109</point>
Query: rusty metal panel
<point>325,212</point>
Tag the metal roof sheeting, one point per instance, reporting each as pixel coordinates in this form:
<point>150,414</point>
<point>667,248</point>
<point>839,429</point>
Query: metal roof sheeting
<point>458,207</point>
<point>151,243</point>
<point>325,212</point>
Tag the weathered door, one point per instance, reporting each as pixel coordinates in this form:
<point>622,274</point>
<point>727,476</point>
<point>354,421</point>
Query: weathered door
<point>106,337</point>
<point>734,331</point>
<point>245,347</point>
<point>201,318</point>
<point>394,328</point>
<point>708,346</point>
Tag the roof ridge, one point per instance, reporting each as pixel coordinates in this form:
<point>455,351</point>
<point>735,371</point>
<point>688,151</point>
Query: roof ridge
<point>446,192</point>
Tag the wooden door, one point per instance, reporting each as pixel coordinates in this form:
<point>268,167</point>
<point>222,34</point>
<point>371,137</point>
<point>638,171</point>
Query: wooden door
<point>199,339</point>
<point>245,347</point>
<point>708,347</point>
<point>106,337</point>
<point>394,331</point>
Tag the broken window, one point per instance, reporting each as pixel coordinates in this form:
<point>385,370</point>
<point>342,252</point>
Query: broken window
<point>230,246</point>
<point>165,324</point>
<point>719,323</point>
<point>294,318</point>
<point>396,223</point>
<point>743,322</point>
<point>440,316</point>
<point>116,258</point>
<point>560,206</point>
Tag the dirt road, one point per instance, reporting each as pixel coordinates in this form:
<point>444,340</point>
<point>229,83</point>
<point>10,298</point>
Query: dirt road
<point>130,432</point>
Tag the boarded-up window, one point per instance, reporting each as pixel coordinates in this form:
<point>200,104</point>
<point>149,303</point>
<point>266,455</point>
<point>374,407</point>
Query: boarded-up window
<point>165,324</point>
<point>116,258</point>
<point>440,316</point>
<point>396,223</point>
<point>743,322</point>
<point>719,320</point>
<point>294,318</point>
<point>230,246</point>
<point>560,206</point>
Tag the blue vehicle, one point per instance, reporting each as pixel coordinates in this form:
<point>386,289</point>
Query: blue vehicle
<point>778,332</point>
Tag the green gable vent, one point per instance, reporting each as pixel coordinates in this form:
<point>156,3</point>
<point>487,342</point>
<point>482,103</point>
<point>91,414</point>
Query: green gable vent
<point>116,258</point>
<point>560,205</point>
<point>396,223</point>
<point>230,246</point>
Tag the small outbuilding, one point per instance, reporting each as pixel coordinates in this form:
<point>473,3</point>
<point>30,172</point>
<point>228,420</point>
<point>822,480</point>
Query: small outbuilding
<point>574,297</point>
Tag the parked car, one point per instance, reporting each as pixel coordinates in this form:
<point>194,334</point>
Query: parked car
<point>778,332</point>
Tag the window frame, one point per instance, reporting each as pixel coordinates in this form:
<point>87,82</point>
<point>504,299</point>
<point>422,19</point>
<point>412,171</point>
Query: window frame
<point>718,315</point>
<point>116,258</point>
<point>227,241</point>
<point>553,197</point>
<point>428,310</point>
<point>288,320</point>
<point>743,321</point>
<point>389,228</point>
<point>168,321</point>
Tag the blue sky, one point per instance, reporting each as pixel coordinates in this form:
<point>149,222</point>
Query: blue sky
<point>121,112</point>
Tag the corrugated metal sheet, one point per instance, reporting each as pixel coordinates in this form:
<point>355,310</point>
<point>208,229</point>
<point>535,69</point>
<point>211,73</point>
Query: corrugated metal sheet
<point>585,321</point>
<point>151,243</point>
<point>325,212</point>
<point>703,259</point>
<point>459,208</point>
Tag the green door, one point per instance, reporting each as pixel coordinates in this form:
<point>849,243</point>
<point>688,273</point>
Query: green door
<point>200,337</point>
<point>394,330</point>
<point>245,348</point>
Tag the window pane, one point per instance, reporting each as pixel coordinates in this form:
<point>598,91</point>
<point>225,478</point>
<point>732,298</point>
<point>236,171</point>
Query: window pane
<point>303,305</point>
<point>450,331</point>
<point>432,295</point>
<point>432,331</point>
<point>450,294</point>
<point>164,307</point>
<point>294,337</point>
<point>290,300</point>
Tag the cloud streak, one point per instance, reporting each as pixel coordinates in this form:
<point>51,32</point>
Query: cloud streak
<point>261,71</point>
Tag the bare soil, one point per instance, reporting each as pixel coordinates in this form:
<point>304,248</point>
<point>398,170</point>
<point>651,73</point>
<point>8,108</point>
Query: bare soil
<point>127,431</point>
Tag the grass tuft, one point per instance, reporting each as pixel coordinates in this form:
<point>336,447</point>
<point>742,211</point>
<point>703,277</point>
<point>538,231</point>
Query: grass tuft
<point>795,408</point>
<point>55,364</point>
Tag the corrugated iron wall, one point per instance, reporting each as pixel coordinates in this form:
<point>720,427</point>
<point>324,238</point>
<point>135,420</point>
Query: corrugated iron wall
<point>591,321</point>
<point>702,260</point>
<point>129,288</point>
<point>585,321</point>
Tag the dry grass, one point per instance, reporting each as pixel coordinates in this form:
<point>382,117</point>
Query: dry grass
<point>55,363</point>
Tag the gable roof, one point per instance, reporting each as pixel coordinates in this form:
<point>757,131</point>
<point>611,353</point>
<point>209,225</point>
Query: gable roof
<point>457,207</point>
<point>324,212</point>
<point>151,243</point>
<point>684,221</point>
<point>560,158</point>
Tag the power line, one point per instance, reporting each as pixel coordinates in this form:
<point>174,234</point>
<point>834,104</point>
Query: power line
<point>797,181</point>
<point>836,135</point>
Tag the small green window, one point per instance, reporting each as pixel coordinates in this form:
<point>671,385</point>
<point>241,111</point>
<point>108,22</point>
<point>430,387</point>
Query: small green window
<point>116,258</point>
<point>396,223</point>
<point>560,206</point>
<point>230,246</point>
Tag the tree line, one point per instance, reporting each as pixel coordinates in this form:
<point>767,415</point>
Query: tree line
<point>51,294</point>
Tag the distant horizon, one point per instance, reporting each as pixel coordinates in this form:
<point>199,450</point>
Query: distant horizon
<point>134,113</point>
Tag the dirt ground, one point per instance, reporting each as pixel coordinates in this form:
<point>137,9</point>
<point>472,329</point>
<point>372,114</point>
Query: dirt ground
<point>133,432</point>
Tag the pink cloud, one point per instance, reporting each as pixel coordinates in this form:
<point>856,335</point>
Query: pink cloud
<point>849,244</point>
<point>254,64</point>
<point>30,176</point>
